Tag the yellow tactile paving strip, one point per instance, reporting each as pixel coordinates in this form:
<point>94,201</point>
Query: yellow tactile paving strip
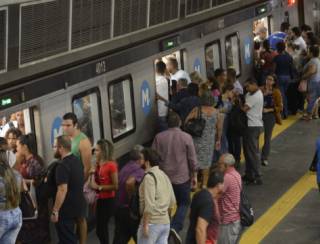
<point>279,210</point>
<point>264,225</point>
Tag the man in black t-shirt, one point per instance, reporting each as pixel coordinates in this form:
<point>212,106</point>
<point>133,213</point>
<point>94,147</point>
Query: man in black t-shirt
<point>202,206</point>
<point>69,200</point>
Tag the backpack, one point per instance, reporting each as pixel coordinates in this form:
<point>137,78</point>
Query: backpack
<point>238,121</point>
<point>134,203</point>
<point>47,188</point>
<point>245,209</point>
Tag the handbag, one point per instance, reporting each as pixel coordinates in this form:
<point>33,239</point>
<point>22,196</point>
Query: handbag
<point>89,194</point>
<point>28,204</point>
<point>303,86</point>
<point>195,126</point>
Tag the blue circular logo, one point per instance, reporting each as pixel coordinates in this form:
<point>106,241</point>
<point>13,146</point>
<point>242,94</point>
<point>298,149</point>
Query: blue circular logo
<point>56,129</point>
<point>146,103</point>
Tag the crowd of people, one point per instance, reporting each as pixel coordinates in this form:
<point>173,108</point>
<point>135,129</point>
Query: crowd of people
<point>203,125</point>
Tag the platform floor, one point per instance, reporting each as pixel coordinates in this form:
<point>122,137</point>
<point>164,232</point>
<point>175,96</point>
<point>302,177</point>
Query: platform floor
<point>287,204</point>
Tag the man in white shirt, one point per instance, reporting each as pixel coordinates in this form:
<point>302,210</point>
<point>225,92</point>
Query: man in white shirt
<point>162,89</point>
<point>253,108</point>
<point>176,73</point>
<point>298,39</point>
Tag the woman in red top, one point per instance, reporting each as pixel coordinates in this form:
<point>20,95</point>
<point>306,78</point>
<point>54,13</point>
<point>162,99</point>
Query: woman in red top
<point>104,179</point>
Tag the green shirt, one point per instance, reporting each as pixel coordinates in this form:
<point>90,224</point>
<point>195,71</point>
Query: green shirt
<point>75,144</point>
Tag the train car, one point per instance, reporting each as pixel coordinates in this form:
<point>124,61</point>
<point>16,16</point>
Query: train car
<point>97,58</point>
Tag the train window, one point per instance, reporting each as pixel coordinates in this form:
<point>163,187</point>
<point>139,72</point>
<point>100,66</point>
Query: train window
<point>87,107</point>
<point>261,24</point>
<point>20,119</point>
<point>213,57</point>
<point>121,108</point>
<point>180,55</point>
<point>233,52</point>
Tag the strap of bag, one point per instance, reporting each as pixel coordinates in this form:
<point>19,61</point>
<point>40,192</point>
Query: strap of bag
<point>199,115</point>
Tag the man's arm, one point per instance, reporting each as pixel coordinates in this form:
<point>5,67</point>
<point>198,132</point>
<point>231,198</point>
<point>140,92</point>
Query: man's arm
<point>201,231</point>
<point>60,197</point>
<point>149,192</point>
<point>85,153</point>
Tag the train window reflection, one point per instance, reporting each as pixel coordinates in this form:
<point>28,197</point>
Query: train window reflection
<point>20,119</point>
<point>233,53</point>
<point>121,109</point>
<point>213,57</point>
<point>86,107</point>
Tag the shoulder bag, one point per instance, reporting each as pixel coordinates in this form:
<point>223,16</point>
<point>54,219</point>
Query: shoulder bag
<point>28,203</point>
<point>195,126</point>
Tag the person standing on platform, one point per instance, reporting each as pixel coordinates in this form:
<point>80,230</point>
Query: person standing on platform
<point>156,200</point>
<point>104,179</point>
<point>176,74</point>
<point>32,167</point>
<point>130,177</point>
<point>69,203</point>
<point>179,162</point>
<point>279,36</point>
<point>162,90</point>
<point>253,108</point>
<point>283,67</point>
<point>229,202</point>
<point>81,148</point>
<point>272,108</point>
<point>202,213</point>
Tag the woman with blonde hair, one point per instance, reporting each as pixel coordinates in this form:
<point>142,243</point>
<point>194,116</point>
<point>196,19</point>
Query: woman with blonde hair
<point>10,213</point>
<point>104,179</point>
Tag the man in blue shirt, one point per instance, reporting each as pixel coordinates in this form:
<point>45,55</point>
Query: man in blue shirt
<point>279,36</point>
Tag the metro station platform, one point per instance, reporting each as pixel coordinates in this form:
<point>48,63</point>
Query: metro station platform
<point>287,204</point>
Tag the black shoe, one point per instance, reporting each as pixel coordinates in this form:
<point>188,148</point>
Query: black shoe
<point>247,180</point>
<point>313,168</point>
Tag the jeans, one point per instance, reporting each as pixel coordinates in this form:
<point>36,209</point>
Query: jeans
<point>158,234</point>
<point>105,210</point>
<point>10,225</point>
<point>66,231</point>
<point>269,120</point>
<point>229,233</point>
<point>182,194</point>
<point>126,227</point>
<point>283,85</point>
<point>313,94</point>
<point>251,152</point>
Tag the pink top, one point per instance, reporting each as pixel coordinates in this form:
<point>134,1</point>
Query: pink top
<point>229,203</point>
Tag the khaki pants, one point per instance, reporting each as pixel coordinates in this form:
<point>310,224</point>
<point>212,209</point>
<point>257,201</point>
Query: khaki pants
<point>230,233</point>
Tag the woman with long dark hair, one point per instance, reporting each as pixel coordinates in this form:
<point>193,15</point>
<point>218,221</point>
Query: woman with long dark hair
<point>10,213</point>
<point>32,168</point>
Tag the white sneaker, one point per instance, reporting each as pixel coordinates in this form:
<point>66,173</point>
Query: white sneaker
<point>265,163</point>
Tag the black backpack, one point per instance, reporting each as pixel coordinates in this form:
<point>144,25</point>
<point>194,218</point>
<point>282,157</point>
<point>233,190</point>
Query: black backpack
<point>246,210</point>
<point>134,203</point>
<point>238,121</point>
<point>47,187</point>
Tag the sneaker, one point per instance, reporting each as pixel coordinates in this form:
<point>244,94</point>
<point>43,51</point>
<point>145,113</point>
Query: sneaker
<point>174,237</point>
<point>264,162</point>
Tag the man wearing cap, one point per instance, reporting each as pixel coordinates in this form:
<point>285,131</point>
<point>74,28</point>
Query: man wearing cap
<point>229,202</point>
<point>253,108</point>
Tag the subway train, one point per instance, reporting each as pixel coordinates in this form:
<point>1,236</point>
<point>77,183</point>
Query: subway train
<point>107,77</point>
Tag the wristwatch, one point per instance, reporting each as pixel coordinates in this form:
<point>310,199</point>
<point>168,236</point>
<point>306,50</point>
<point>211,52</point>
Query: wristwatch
<point>100,188</point>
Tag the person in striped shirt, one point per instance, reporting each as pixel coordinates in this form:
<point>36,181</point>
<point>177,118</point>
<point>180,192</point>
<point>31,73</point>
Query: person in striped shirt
<point>229,202</point>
